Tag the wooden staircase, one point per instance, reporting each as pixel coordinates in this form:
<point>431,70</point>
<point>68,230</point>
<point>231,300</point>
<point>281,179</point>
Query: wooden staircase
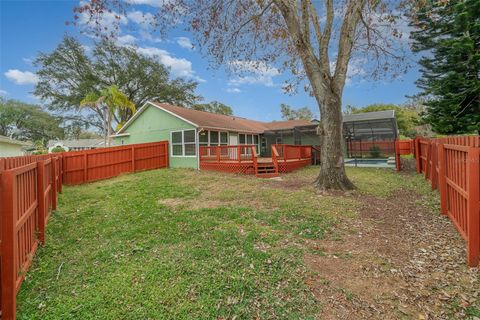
<point>266,170</point>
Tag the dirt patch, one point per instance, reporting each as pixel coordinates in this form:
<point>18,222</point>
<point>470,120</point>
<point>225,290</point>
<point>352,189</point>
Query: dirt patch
<point>396,260</point>
<point>409,165</point>
<point>177,203</point>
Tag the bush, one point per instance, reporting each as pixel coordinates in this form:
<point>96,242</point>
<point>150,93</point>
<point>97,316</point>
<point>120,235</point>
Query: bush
<point>58,149</point>
<point>374,151</point>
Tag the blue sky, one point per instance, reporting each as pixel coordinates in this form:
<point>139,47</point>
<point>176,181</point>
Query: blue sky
<point>29,27</point>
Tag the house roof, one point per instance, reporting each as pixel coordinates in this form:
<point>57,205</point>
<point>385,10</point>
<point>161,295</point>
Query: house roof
<point>12,141</point>
<point>367,116</point>
<point>80,143</point>
<point>288,124</point>
<point>209,120</point>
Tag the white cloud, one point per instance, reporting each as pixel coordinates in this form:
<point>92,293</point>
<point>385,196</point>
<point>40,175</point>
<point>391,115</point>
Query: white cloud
<point>107,21</point>
<point>356,69</point>
<point>233,90</point>
<point>144,19</point>
<point>255,72</point>
<point>179,66</point>
<point>3,93</point>
<point>185,42</point>
<point>21,77</point>
<point>126,40</point>
<point>153,3</point>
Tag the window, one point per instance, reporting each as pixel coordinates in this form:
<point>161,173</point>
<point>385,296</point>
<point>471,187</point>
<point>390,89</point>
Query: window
<point>214,138</point>
<point>242,138</point>
<point>183,143</point>
<point>177,142</point>
<point>203,138</point>
<point>249,139</point>
<point>223,138</point>
<point>189,142</point>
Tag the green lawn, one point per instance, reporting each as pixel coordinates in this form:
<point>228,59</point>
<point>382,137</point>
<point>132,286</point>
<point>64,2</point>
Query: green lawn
<point>185,244</point>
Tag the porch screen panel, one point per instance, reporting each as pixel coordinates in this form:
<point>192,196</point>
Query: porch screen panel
<point>214,138</point>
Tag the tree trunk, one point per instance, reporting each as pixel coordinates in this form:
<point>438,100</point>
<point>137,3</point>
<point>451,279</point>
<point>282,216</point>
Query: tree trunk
<point>332,169</point>
<point>109,128</point>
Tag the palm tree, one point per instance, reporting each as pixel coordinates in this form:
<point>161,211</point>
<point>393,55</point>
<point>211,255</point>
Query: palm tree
<point>111,100</point>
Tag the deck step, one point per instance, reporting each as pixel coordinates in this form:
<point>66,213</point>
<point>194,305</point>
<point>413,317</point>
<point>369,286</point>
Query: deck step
<point>266,170</point>
<point>267,175</point>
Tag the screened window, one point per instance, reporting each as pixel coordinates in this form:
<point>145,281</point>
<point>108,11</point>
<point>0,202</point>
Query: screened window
<point>183,143</point>
<point>214,138</point>
<point>223,138</point>
<point>203,138</point>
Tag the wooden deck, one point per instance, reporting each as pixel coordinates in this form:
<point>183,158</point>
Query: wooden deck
<point>244,159</point>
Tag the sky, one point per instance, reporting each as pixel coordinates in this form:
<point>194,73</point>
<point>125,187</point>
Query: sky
<point>30,27</point>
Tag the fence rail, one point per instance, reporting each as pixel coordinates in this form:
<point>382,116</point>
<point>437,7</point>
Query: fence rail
<point>452,164</point>
<point>28,195</point>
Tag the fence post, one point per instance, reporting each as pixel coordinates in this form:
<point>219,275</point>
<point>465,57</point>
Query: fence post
<point>398,164</point>
<point>60,173</point>
<point>133,158</point>
<point>473,206</point>
<point>442,178</point>
<point>53,162</point>
<point>166,155</point>
<point>433,168</point>
<point>85,174</point>
<point>41,200</point>
<point>9,243</point>
<point>417,154</point>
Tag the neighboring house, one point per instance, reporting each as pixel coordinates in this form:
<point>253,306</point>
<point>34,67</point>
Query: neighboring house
<point>186,130</point>
<point>76,145</point>
<point>12,148</point>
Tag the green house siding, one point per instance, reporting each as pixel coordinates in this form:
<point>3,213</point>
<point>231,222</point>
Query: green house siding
<point>10,150</point>
<point>155,125</point>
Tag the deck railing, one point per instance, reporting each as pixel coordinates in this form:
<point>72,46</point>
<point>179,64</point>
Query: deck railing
<point>289,157</point>
<point>237,159</point>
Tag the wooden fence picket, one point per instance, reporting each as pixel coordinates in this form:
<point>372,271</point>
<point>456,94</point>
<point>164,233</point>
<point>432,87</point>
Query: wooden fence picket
<point>28,195</point>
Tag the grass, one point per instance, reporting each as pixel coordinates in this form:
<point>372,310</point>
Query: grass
<point>185,244</point>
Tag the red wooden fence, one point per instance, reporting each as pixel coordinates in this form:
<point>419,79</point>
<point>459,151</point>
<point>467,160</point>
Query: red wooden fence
<point>86,166</point>
<point>28,195</point>
<point>452,164</point>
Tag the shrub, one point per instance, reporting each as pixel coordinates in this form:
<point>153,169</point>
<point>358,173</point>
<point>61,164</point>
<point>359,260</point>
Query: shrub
<point>58,149</point>
<point>374,151</point>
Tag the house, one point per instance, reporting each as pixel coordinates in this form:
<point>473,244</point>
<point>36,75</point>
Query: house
<point>12,148</point>
<point>187,130</point>
<point>76,145</point>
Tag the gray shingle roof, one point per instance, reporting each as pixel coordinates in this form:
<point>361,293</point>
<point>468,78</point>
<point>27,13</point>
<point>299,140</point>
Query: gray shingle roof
<point>376,115</point>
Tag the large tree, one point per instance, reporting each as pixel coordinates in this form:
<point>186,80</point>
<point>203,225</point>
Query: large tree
<point>215,107</point>
<point>316,40</point>
<point>288,113</point>
<point>68,74</point>
<point>24,121</point>
<point>113,103</point>
<point>448,34</point>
